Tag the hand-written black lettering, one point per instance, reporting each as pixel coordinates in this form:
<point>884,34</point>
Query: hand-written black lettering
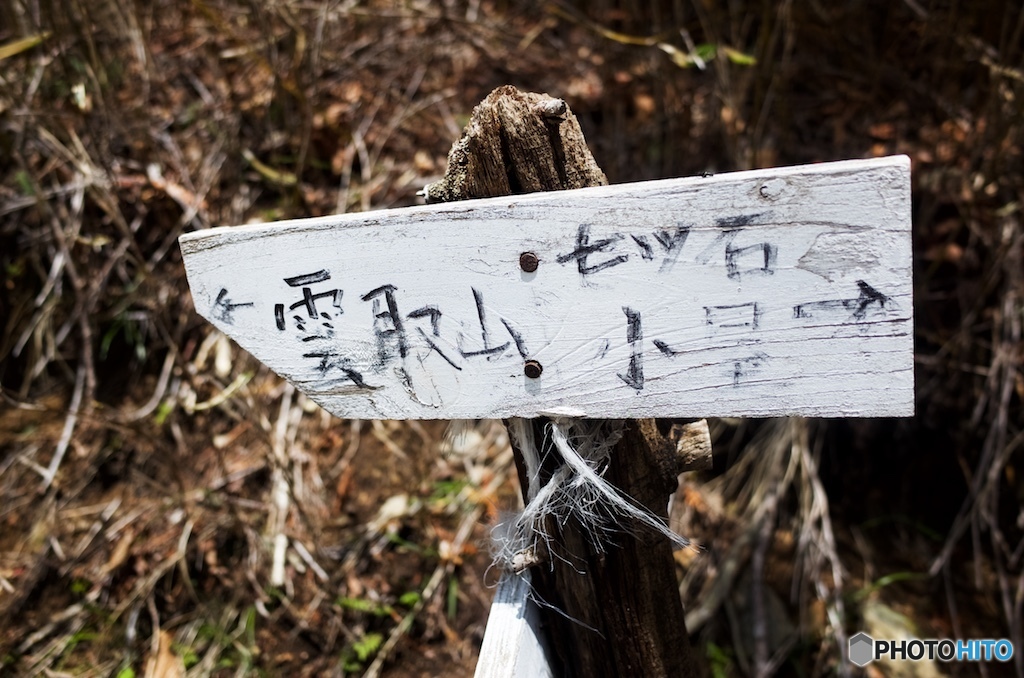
<point>868,295</point>
<point>585,248</point>
<point>732,226</point>
<point>387,323</point>
<point>672,243</point>
<point>737,221</point>
<point>729,317</point>
<point>224,309</point>
<point>331,361</point>
<point>430,342</point>
<point>416,334</point>
<point>314,318</point>
<point>517,337</point>
<point>427,330</point>
<point>746,367</point>
<point>857,308</point>
<point>634,376</point>
<point>646,251</point>
<point>733,315</point>
<point>309,278</point>
<point>722,240</point>
<point>765,254</point>
<point>666,349</point>
<point>308,302</point>
<point>434,313</point>
<point>485,334</point>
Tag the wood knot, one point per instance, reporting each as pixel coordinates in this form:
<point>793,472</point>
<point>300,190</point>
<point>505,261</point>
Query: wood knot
<point>693,446</point>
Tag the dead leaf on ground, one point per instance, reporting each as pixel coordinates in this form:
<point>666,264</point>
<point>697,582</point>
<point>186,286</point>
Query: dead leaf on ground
<point>165,664</point>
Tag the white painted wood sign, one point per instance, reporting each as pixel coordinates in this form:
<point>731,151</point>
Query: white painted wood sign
<point>770,292</point>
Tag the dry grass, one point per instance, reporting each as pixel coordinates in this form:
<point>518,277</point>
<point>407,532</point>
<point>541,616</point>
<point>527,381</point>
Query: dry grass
<point>166,501</point>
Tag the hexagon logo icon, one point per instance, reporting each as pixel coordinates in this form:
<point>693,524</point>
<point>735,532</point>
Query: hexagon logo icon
<point>862,649</point>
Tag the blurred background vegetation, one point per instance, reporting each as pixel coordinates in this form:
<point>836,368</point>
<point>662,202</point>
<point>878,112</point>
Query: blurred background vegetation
<point>168,506</point>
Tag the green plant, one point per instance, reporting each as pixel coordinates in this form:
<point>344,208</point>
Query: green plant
<point>367,646</point>
<point>128,325</point>
<point>355,656</point>
<point>719,660</point>
<point>367,606</point>
<point>886,580</point>
<point>235,649</point>
<point>453,597</point>
<point>447,490</point>
<point>393,538</point>
<point>80,586</point>
<point>83,636</point>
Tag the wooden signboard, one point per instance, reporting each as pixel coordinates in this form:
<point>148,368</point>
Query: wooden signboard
<point>770,292</point>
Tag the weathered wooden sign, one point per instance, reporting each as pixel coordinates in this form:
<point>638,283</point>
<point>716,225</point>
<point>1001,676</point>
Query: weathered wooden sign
<point>771,292</point>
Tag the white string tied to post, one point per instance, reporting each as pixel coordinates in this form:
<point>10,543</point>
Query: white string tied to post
<point>576,491</point>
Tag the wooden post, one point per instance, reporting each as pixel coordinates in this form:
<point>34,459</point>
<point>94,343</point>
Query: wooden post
<point>612,611</point>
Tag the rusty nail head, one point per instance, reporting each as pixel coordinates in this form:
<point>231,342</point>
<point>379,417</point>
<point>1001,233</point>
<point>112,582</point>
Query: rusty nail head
<point>528,261</point>
<point>532,369</point>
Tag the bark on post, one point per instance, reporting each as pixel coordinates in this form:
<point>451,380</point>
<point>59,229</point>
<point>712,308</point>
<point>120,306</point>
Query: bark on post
<point>628,616</point>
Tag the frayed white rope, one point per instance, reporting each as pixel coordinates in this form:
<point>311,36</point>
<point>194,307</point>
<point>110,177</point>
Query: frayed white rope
<point>521,431</point>
<point>588,478</point>
<point>576,491</point>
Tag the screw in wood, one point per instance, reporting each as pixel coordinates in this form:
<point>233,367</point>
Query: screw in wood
<point>532,369</point>
<point>528,261</point>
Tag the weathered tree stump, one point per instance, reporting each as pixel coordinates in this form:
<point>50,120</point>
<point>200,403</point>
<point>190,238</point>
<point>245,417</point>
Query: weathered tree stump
<point>614,611</point>
<point>517,142</point>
